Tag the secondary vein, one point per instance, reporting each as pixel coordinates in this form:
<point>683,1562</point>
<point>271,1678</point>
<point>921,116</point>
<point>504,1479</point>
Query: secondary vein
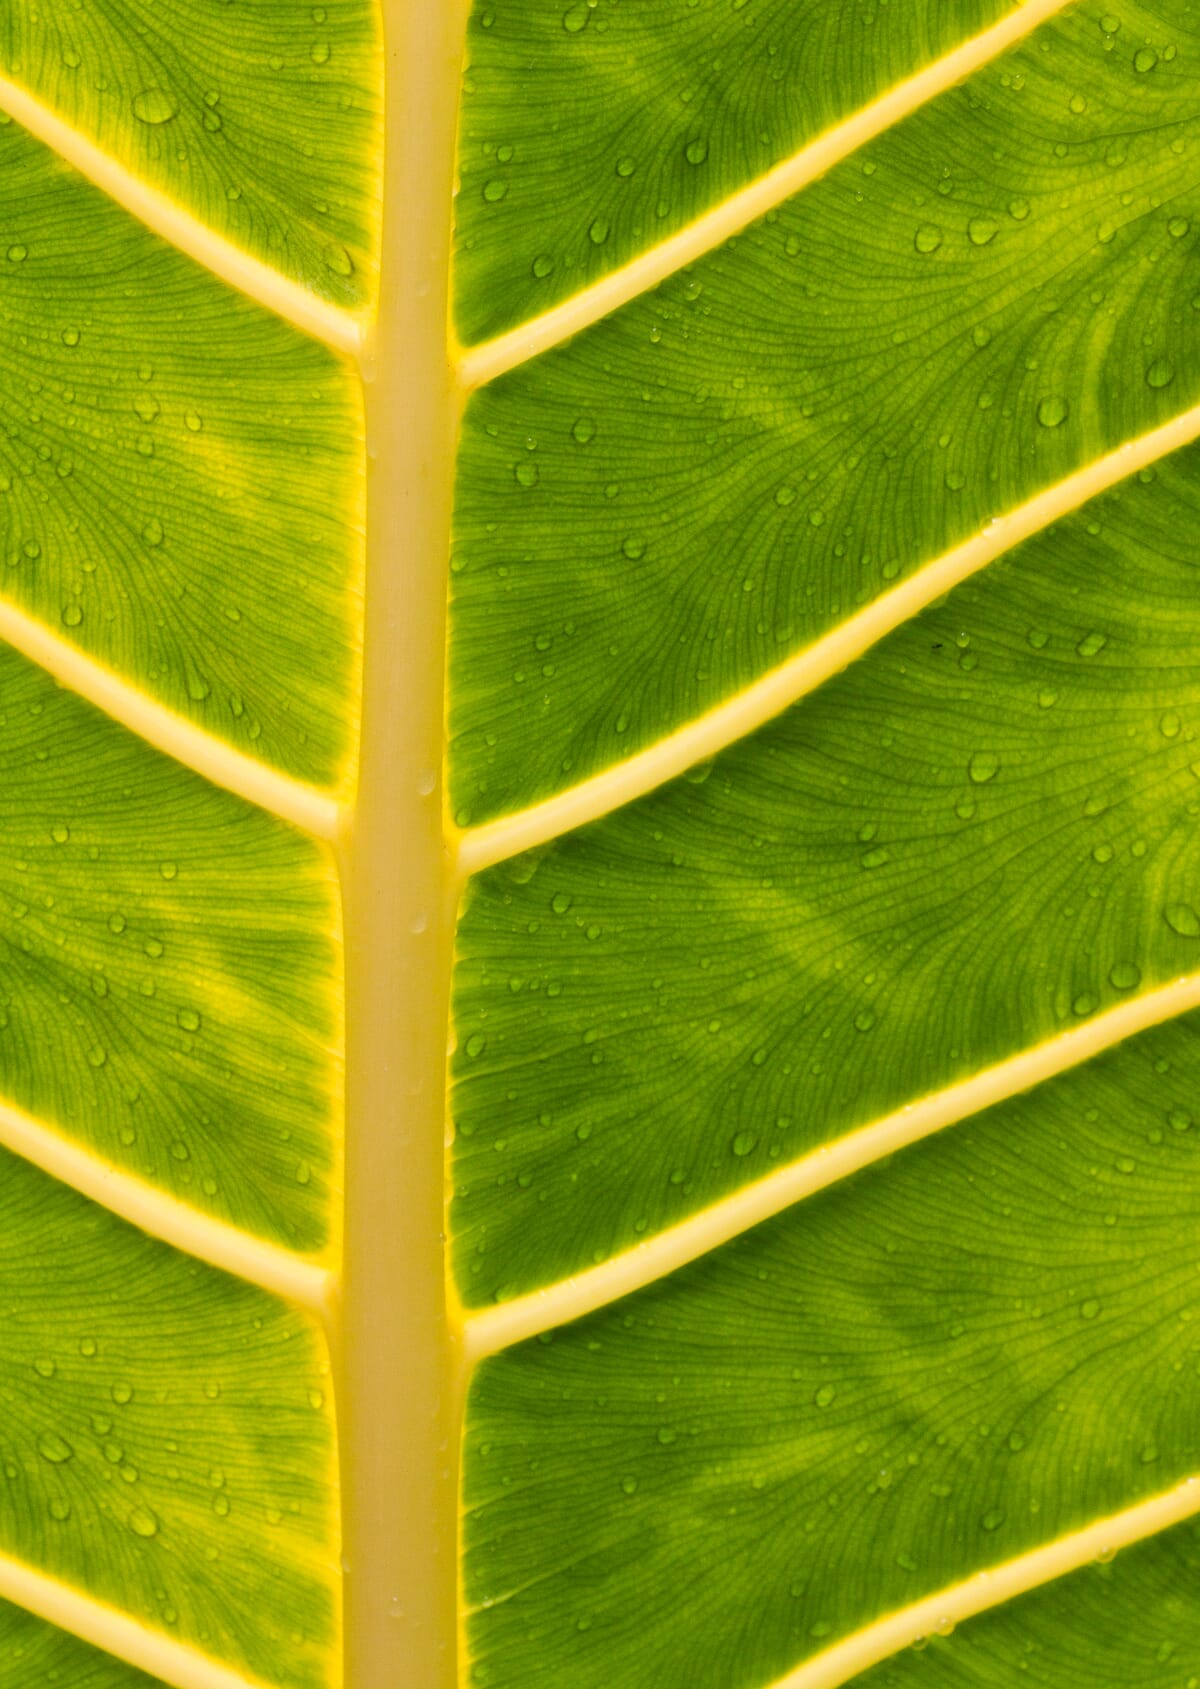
<point>117,1633</point>
<point>707,735</point>
<point>336,328</point>
<point>480,364</point>
<point>313,811</point>
<point>294,1277</point>
<point>487,1331</point>
<point>949,1607</point>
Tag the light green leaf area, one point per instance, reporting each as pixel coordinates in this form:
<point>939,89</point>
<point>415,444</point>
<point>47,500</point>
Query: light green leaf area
<point>978,835</point>
<point>942,1362</point>
<point>34,1655</point>
<point>169,993</point>
<point>261,118</point>
<point>1129,1624</point>
<point>180,474</point>
<point>166,1440</point>
<point>988,296</point>
<point>594,128</point>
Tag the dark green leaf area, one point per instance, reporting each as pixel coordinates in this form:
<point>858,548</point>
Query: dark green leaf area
<point>989,296</point>
<point>980,834</point>
<point>937,1365</point>
<point>180,474</point>
<point>592,129</point>
<point>261,117</point>
<point>165,1435</point>
<point>1132,1623</point>
<point>34,1655</point>
<point>168,991</point>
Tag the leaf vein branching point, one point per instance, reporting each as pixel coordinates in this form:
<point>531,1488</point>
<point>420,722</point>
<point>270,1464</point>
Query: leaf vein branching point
<point>336,328</point>
<point>480,364</point>
<point>490,1330</point>
<point>293,1277</point>
<point>312,811</point>
<point>987,1589</point>
<point>709,734</point>
<point>117,1633</point>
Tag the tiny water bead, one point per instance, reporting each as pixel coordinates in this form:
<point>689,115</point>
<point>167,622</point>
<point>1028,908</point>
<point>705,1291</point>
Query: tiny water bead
<point>927,238</point>
<point>983,766</point>
<point>982,230</point>
<point>1182,919</point>
<point>1160,373</point>
<point>154,106</point>
<point>1052,410</point>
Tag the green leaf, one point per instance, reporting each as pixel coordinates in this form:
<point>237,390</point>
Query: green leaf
<point>824,1082</point>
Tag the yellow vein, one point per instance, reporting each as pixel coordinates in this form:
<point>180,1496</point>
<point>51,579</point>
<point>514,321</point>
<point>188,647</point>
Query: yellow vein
<point>480,847</point>
<point>306,807</point>
<point>899,1630</point>
<point>492,1329</point>
<point>105,1627</point>
<point>294,1277</point>
<point>484,363</point>
<point>249,275</point>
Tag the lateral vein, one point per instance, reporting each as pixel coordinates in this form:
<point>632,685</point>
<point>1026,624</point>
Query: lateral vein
<point>490,1330</point>
<point>117,1633</point>
<point>898,1630</point>
<point>241,270</point>
<point>480,364</point>
<point>295,1278</point>
<point>304,806</point>
<point>708,734</point>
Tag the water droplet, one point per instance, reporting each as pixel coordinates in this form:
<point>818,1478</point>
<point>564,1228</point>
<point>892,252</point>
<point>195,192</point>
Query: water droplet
<point>633,547</point>
<point>1182,919</point>
<point>1089,1309</point>
<point>60,833</point>
<point>17,254</point>
<point>1160,373</point>
<point>825,1395</point>
<point>1179,1120</point>
<point>122,1394</point>
<point>696,151</point>
<point>576,18</point>
<point>1169,725</point>
<point>152,533</point>
<point>143,1522</point>
<point>1178,227</point>
<point>495,190</point>
<point>70,337</point>
<point>598,233</point>
<point>1052,410</point>
<point>54,1448</point>
<point>743,1143</point>
<point>168,870</point>
<point>476,1045</point>
<point>983,766</point>
<point>992,1519</point>
<point>927,238</point>
<point>1125,976</point>
<point>981,230</point>
<point>154,106</point>
<point>1145,59</point>
<point>319,52</point>
<point>189,1020</point>
<point>666,1435</point>
<point>146,406</point>
<point>525,473</point>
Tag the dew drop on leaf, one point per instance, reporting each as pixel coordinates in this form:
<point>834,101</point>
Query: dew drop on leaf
<point>154,106</point>
<point>1052,410</point>
<point>1182,919</point>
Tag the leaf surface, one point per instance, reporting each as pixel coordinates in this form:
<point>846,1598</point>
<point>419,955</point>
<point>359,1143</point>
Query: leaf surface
<point>825,1111</point>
